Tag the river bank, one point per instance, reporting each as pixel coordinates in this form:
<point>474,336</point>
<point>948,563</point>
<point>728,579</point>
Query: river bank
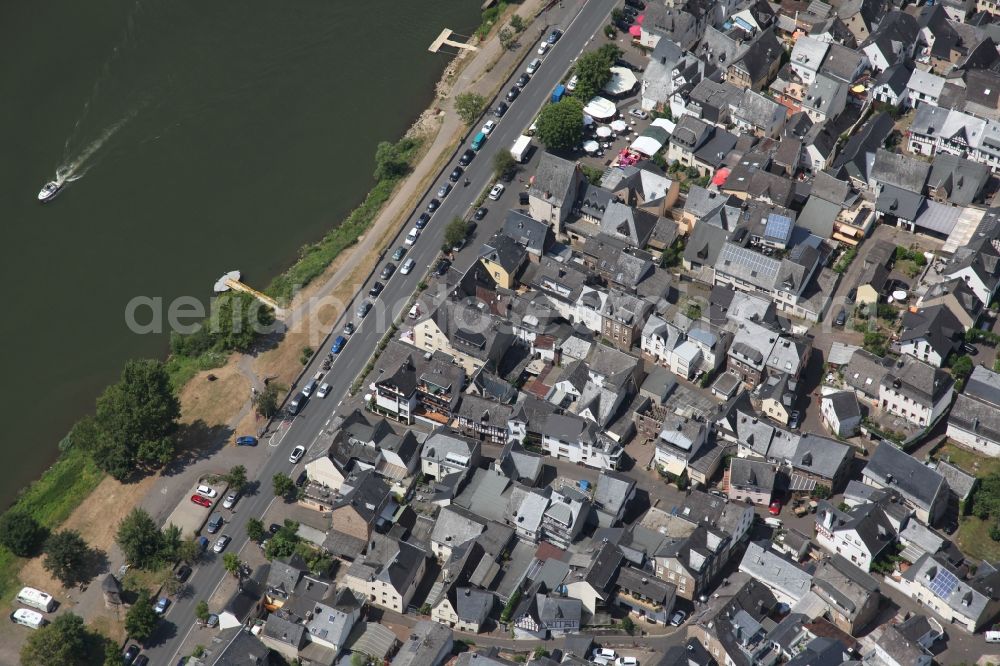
<point>224,401</point>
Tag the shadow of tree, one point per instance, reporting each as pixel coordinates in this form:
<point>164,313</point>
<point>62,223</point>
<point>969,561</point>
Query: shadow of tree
<point>195,442</point>
<point>95,564</point>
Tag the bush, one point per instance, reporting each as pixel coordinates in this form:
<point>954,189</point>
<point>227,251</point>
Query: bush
<point>995,532</point>
<point>21,534</point>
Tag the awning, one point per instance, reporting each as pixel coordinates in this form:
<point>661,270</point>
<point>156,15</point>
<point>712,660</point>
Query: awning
<point>635,31</point>
<point>720,176</point>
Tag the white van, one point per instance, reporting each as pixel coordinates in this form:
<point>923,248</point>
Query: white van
<point>28,618</point>
<point>411,237</point>
<point>772,522</point>
<point>992,636</point>
<point>43,601</point>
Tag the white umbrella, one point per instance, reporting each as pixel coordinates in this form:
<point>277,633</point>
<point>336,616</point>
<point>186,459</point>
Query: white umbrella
<point>603,131</point>
<point>591,146</point>
<point>619,126</point>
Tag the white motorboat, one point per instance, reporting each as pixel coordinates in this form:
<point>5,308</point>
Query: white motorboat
<point>49,190</point>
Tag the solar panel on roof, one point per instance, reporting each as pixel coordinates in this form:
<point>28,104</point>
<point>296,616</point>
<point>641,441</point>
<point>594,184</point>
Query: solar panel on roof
<point>778,226</point>
<point>944,583</point>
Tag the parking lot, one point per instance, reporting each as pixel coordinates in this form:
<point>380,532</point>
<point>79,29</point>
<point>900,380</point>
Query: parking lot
<point>190,517</point>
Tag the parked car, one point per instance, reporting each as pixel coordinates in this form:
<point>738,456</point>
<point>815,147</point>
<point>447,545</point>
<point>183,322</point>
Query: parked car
<point>456,173</point>
<point>626,661</point>
<point>543,48</point>
<point>411,237</point>
<point>571,84</point>
<point>488,127</point>
<point>677,619</point>
<point>841,318</point>
<point>141,660</point>
<point>970,350</point>
<point>624,23</point>
<point>513,93</point>
<point>212,621</point>
<point>399,253</point>
<point>496,191</point>
<point>522,81</point>
<point>232,498</point>
<point>273,528</point>
<point>376,289</point>
<point>630,12</point>
<point>207,491</point>
<point>603,653</point>
<point>338,345</point>
<point>161,605</point>
<point>533,66</point>
<point>554,36</point>
<point>852,294</point>
<point>349,328</point>
<point>444,190</point>
<point>467,157</point>
<point>480,213</point>
<point>501,109</point>
<point>442,267</point>
<point>774,508</point>
<point>794,419</point>
<point>422,220</point>
<point>246,440</point>
<point>182,574</point>
<point>130,653</point>
<point>638,4</point>
<point>638,113</point>
<point>387,271</point>
<point>433,205</point>
<point>364,309</point>
<point>221,543</point>
<point>408,266</point>
<point>297,454</point>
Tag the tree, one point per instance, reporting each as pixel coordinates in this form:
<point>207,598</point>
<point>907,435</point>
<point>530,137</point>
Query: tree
<point>507,38</point>
<point>66,555</point>
<point>237,319</point>
<point>170,542</point>
<point>140,621</point>
<point>517,23</point>
<point>189,551</point>
<point>469,106</point>
<point>504,165</point>
<point>389,162</point>
<point>64,642</point>
<point>359,659</point>
<point>139,538</point>
<point>821,492</point>
<point>255,530</point>
<point>560,125</point>
<point>455,232</point>
<point>21,534</point>
<point>201,611</point>
<point>231,563</point>
<point>960,368</point>
<point>283,486</point>
<point>135,421</point>
<point>265,402</point>
<point>284,542</point>
<point>237,478</point>
<point>875,343</point>
<point>593,70</point>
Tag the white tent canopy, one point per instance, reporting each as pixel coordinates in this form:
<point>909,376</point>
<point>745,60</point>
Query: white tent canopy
<point>622,81</point>
<point>600,108</point>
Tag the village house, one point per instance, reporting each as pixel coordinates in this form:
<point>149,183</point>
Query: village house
<point>921,488</point>
<point>974,420</point>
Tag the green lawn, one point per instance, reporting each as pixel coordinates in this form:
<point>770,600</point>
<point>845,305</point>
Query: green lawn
<point>50,500</point>
<point>973,463</point>
<point>973,539</point>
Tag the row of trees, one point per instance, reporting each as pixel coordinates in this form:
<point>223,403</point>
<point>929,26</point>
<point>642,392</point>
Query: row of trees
<point>67,555</point>
<point>234,322</point>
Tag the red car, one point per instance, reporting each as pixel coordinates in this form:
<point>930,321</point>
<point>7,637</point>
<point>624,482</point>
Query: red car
<point>775,508</point>
<point>201,501</point>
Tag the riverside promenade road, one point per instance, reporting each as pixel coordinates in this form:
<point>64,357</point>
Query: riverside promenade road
<point>166,643</point>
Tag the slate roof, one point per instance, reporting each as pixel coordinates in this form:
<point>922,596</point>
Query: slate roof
<point>554,179</point>
<point>966,598</point>
<point>959,481</point>
<point>936,325</point>
<point>904,204</point>
<point>919,381</point>
<point>906,173</point>
<point>761,54</point>
<point>473,605</point>
<point>892,467</point>
<point>778,573</point>
<point>856,158</point>
<point>756,109</point>
<point>962,179</point>
<point>865,372</point>
<point>844,404</point>
<point>747,473</point>
<point>845,583</point>
<point>534,236</point>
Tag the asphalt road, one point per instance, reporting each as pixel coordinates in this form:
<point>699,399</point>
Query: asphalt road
<point>166,643</point>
